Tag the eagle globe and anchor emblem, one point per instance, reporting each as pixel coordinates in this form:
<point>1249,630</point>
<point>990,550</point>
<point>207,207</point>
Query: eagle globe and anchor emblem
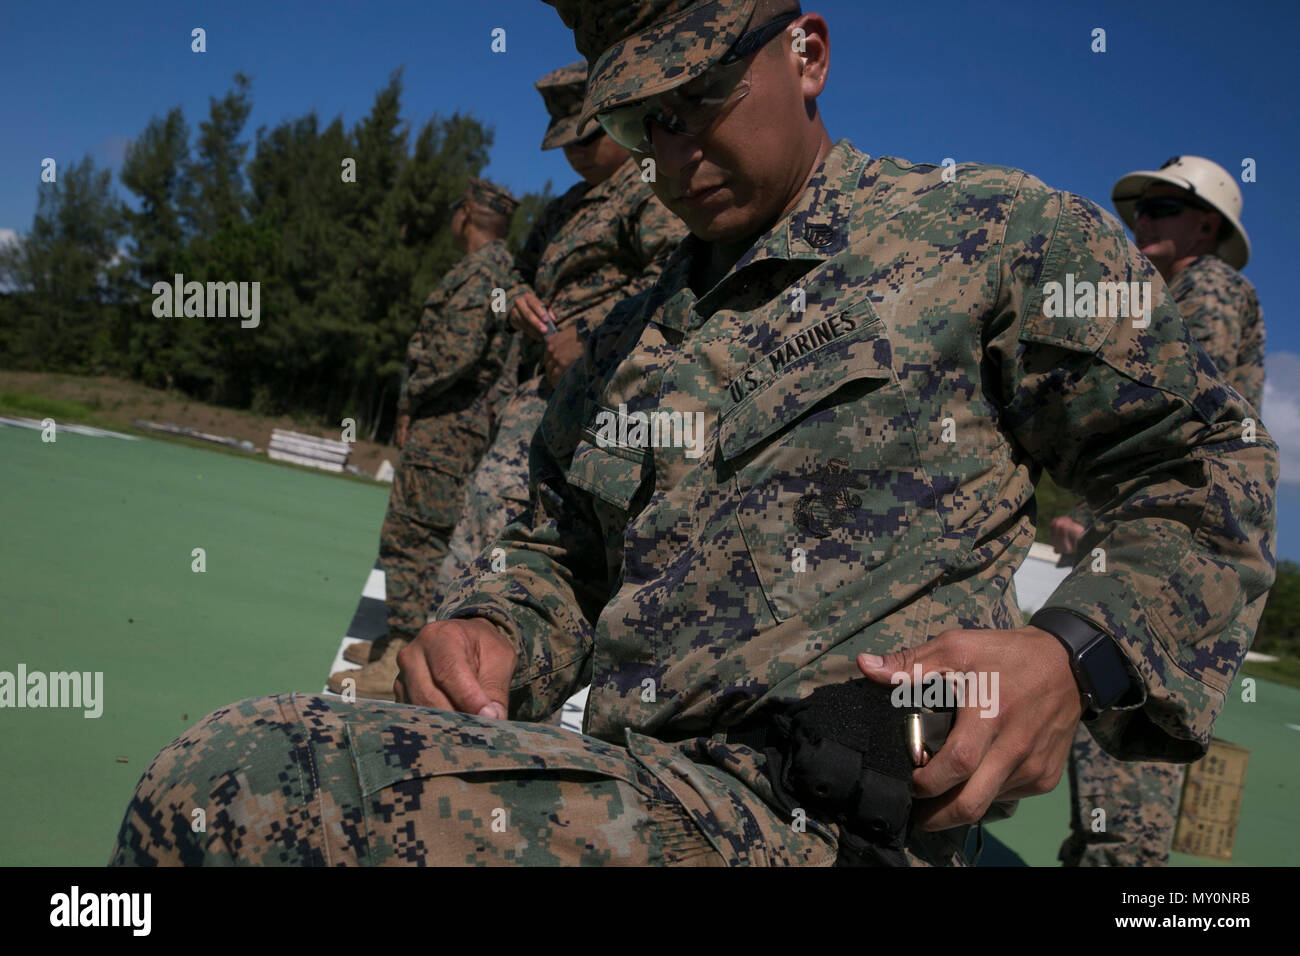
<point>819,512</point>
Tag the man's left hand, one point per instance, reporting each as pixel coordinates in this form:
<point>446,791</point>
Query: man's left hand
<point>562,350</point>
<point>1019,747</point>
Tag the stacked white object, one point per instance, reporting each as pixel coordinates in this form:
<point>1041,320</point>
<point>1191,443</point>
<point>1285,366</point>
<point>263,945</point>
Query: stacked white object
<point>300,449</point>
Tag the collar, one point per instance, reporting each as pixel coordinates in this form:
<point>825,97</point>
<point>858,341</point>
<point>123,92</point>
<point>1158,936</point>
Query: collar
<point>815,229</point>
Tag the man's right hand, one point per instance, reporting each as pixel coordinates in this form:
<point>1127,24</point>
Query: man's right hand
<point>463,664</point>
<point>403,425</point>
<point>528,314</point>
<point>1065,533</point>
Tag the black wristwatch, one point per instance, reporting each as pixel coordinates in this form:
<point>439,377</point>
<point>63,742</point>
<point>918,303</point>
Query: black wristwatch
<point>1095,660</point>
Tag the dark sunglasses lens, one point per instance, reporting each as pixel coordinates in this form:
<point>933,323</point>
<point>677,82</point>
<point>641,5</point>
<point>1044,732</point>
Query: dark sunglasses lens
<point>1159,208</point>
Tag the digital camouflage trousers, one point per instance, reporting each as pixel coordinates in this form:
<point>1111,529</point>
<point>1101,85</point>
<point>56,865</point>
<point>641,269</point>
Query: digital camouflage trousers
<point>299,780</point>
<point>1138,803</point>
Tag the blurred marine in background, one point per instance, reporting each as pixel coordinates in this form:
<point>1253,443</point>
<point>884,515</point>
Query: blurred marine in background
<point>604,240</point>
<point>1186,218</point>
<point>444,420</point>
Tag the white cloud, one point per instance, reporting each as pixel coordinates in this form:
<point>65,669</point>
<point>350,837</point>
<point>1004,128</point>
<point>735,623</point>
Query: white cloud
<point>1281,411</point>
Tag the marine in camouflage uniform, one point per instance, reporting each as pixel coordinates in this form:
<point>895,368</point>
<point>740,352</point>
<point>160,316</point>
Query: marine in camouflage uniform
<point>1222,310</point>
<point>667,581</point>
<point>590,247</point>
<point>454,356</point>
<point>1139,800</point>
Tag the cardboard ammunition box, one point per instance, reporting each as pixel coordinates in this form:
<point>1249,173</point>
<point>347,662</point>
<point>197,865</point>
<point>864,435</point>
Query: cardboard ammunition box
<point>1212,794</point>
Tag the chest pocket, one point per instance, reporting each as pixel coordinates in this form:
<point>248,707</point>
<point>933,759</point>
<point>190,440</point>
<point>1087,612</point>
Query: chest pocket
<point>827,474</point>
<point>614,474</point>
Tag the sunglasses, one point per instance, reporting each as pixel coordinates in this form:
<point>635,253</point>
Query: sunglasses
<point>694,107</point>
<point>1163,207</point>
<point>590,138</point>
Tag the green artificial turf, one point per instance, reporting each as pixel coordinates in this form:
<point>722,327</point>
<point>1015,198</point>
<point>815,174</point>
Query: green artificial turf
<point>1269,830</point>
<point>96,553</point>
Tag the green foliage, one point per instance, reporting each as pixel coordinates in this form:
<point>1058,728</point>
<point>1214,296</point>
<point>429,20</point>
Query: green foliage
<point>66,271</point>
<point>343,267</point>
<point>153,171</point>
<point>1279,627</point>
<point>38,406</point>
<point>530,207</point>
<point>1283,671</point>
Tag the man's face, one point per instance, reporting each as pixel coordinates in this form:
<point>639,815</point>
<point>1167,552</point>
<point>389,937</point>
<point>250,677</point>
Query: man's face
<point>595,159</point>
<point>1177,234</point>
<point>736,178</point>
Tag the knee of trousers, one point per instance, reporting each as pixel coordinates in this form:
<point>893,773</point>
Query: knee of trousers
<point>234,788</point>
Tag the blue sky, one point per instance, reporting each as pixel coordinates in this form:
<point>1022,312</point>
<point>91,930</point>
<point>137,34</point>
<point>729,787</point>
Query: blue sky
<point>1005,82</point>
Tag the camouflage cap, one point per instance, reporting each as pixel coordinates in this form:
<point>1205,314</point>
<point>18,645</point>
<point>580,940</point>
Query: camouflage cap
<point>562,90</point>
<point>645,47</point>
<point>482,192</point>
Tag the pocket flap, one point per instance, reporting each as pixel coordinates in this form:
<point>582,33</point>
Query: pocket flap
<point>388,753</point>
<point>612,474</point>
<point>790,393</point>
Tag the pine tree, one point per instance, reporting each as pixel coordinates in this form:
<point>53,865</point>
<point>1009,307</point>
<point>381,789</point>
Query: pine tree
<point>68,266</point>
<point>154,172</point>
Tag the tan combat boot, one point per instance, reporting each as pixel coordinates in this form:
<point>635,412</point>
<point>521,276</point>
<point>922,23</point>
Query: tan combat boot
<point>360,652</point>
<point>374,681</point>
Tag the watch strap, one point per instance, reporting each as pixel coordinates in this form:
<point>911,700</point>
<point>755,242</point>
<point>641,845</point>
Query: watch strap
<point>1095,660</point>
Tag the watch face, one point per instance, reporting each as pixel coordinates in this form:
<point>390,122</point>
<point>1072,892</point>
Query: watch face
<point>1104,665</point>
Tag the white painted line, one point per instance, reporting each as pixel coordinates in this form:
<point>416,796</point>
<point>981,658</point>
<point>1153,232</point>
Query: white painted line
<point>1260,658</point>
<point>571,715</point>
<point>74,429</point>
<point>98,432</point>
<point>1294,726</point>
<point>374,585</point>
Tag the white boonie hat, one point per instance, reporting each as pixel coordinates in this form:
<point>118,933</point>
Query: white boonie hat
<point>1206,180</point>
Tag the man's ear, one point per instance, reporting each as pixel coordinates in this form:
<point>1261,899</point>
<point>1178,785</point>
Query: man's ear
<point>809,38</point>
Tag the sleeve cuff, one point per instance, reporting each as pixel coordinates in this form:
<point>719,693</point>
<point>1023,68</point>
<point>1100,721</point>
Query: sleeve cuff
<point>1143,726</point>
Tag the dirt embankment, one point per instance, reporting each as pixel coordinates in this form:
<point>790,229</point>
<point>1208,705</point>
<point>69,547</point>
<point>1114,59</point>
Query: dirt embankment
<point>115,401</point>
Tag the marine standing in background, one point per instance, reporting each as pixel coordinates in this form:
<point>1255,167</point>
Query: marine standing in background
<point>1185,218</point>
<point>604,240</point>
<point>444,420</point>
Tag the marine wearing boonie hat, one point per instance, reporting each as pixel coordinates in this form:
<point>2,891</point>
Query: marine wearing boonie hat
<point>483,192</point>
<point>642,49</point>
<point>562,91</point>
<point>1208,182</point>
